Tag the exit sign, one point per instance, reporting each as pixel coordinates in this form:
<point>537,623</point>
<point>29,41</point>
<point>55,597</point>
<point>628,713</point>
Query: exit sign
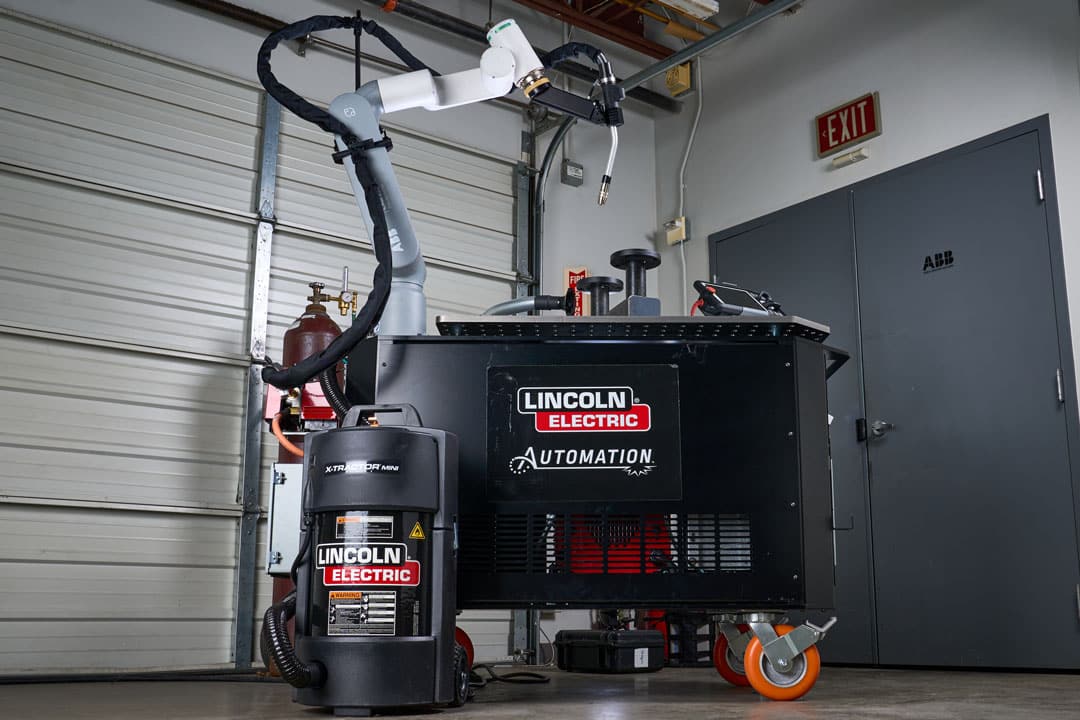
<point>849,124</point>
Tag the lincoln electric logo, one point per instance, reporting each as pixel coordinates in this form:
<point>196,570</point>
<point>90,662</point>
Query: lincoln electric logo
<point>584,409</point>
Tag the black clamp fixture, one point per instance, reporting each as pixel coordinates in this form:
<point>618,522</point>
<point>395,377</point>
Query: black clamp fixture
<point>636,261</point>
<point>599,287</point>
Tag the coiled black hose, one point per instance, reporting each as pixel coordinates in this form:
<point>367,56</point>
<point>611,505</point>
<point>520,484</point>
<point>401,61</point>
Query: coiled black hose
<point>333,392</point>
<point>274,644</point>
<point>369,315</point>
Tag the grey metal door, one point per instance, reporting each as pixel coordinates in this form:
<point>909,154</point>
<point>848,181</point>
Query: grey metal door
<point>975,551</point>
<point>803,256</point>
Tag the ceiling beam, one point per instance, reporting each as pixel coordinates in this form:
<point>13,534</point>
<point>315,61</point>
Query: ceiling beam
<point>590,23</point>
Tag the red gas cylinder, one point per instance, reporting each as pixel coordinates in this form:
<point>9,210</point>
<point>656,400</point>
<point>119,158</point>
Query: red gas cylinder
<point>310,333</point>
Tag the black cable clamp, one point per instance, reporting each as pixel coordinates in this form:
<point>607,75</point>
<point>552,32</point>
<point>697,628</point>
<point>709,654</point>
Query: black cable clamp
<point>359,147</point>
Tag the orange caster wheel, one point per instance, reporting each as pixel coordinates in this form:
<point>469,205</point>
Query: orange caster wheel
<point>462,638</point>
<point>775,685</point>
<point>729,663</point>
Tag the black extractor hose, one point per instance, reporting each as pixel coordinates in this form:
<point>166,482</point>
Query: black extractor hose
<point>333,392</point>
<point>274,644</point>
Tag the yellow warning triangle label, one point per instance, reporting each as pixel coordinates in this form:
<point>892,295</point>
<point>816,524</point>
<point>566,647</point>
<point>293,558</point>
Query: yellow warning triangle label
<point>417,532</point>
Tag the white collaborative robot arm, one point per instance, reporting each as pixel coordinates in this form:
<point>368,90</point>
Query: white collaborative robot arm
<point>354,120</point>
<point>509,62</point>
<point>502,66</point>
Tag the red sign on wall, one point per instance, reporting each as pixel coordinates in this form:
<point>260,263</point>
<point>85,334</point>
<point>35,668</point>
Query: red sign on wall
<point>849,124</point>
<point>570,277</point>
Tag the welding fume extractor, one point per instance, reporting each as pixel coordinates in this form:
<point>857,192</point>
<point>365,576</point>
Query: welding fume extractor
<point>375,574</point>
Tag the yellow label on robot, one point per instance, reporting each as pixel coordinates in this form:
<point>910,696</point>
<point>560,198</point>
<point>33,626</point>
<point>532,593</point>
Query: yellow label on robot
<point>417,532</point>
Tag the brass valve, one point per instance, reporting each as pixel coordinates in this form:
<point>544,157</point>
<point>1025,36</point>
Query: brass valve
<point>346,299</point>
<point>317,296</point>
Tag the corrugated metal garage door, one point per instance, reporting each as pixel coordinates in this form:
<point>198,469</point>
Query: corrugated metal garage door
<point>126,231</point>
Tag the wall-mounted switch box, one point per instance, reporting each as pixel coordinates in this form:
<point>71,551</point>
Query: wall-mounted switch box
<point>675,230</point>
<point>572,173</point>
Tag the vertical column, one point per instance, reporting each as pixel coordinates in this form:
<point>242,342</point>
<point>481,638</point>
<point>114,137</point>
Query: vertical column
<point>251,462</point>
<point>523,200</point>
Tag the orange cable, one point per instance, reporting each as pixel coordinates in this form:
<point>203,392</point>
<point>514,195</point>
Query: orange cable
<point>275,426</point>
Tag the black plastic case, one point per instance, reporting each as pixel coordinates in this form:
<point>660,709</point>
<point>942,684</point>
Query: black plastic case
<point>609,651</point>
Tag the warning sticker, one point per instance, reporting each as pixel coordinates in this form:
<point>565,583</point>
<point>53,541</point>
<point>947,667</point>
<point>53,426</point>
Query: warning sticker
<point>364,527</point>
<point>417,532</point>
<point>354,612</point>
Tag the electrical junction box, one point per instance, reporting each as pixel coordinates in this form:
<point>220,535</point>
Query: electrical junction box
<point>283,542</point>
<point>675,230</point>
<point>677,79</point>
<point>573,173</point>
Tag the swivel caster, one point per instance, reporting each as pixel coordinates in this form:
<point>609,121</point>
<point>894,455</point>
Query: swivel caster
<point>782,662</point>
<point>728,652</point>
<point>790,682</point>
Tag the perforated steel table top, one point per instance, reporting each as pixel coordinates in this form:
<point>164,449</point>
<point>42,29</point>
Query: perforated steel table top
<point>615,327</point>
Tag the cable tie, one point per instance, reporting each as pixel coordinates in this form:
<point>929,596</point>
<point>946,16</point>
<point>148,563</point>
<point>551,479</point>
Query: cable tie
<point>359,147</point>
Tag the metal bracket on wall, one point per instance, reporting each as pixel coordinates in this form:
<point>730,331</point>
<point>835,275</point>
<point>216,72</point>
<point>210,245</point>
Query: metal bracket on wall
<point>251,459</point>
<point>522,257</point>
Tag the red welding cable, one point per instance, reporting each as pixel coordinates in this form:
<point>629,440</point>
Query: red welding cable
<point>696,306</point>
<point>275,426</point>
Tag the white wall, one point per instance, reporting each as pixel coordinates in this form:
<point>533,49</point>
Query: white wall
<point>948,72</point>
<point>576,230</point>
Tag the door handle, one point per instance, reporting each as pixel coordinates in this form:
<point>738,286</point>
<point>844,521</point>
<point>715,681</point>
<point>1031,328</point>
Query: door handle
<point>880,427</point>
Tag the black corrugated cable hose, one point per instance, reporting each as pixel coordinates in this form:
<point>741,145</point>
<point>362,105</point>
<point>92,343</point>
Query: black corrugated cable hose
<point>570,50</point>
<point>274,644</point>
<point>334,394</point>
<point>519,677</point>
<point>369,314</point>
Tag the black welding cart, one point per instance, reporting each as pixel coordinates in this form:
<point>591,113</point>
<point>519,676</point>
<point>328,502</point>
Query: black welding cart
<point>641,462</point>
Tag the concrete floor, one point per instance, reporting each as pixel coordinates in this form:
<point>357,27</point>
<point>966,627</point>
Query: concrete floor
<point>840,694</point>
